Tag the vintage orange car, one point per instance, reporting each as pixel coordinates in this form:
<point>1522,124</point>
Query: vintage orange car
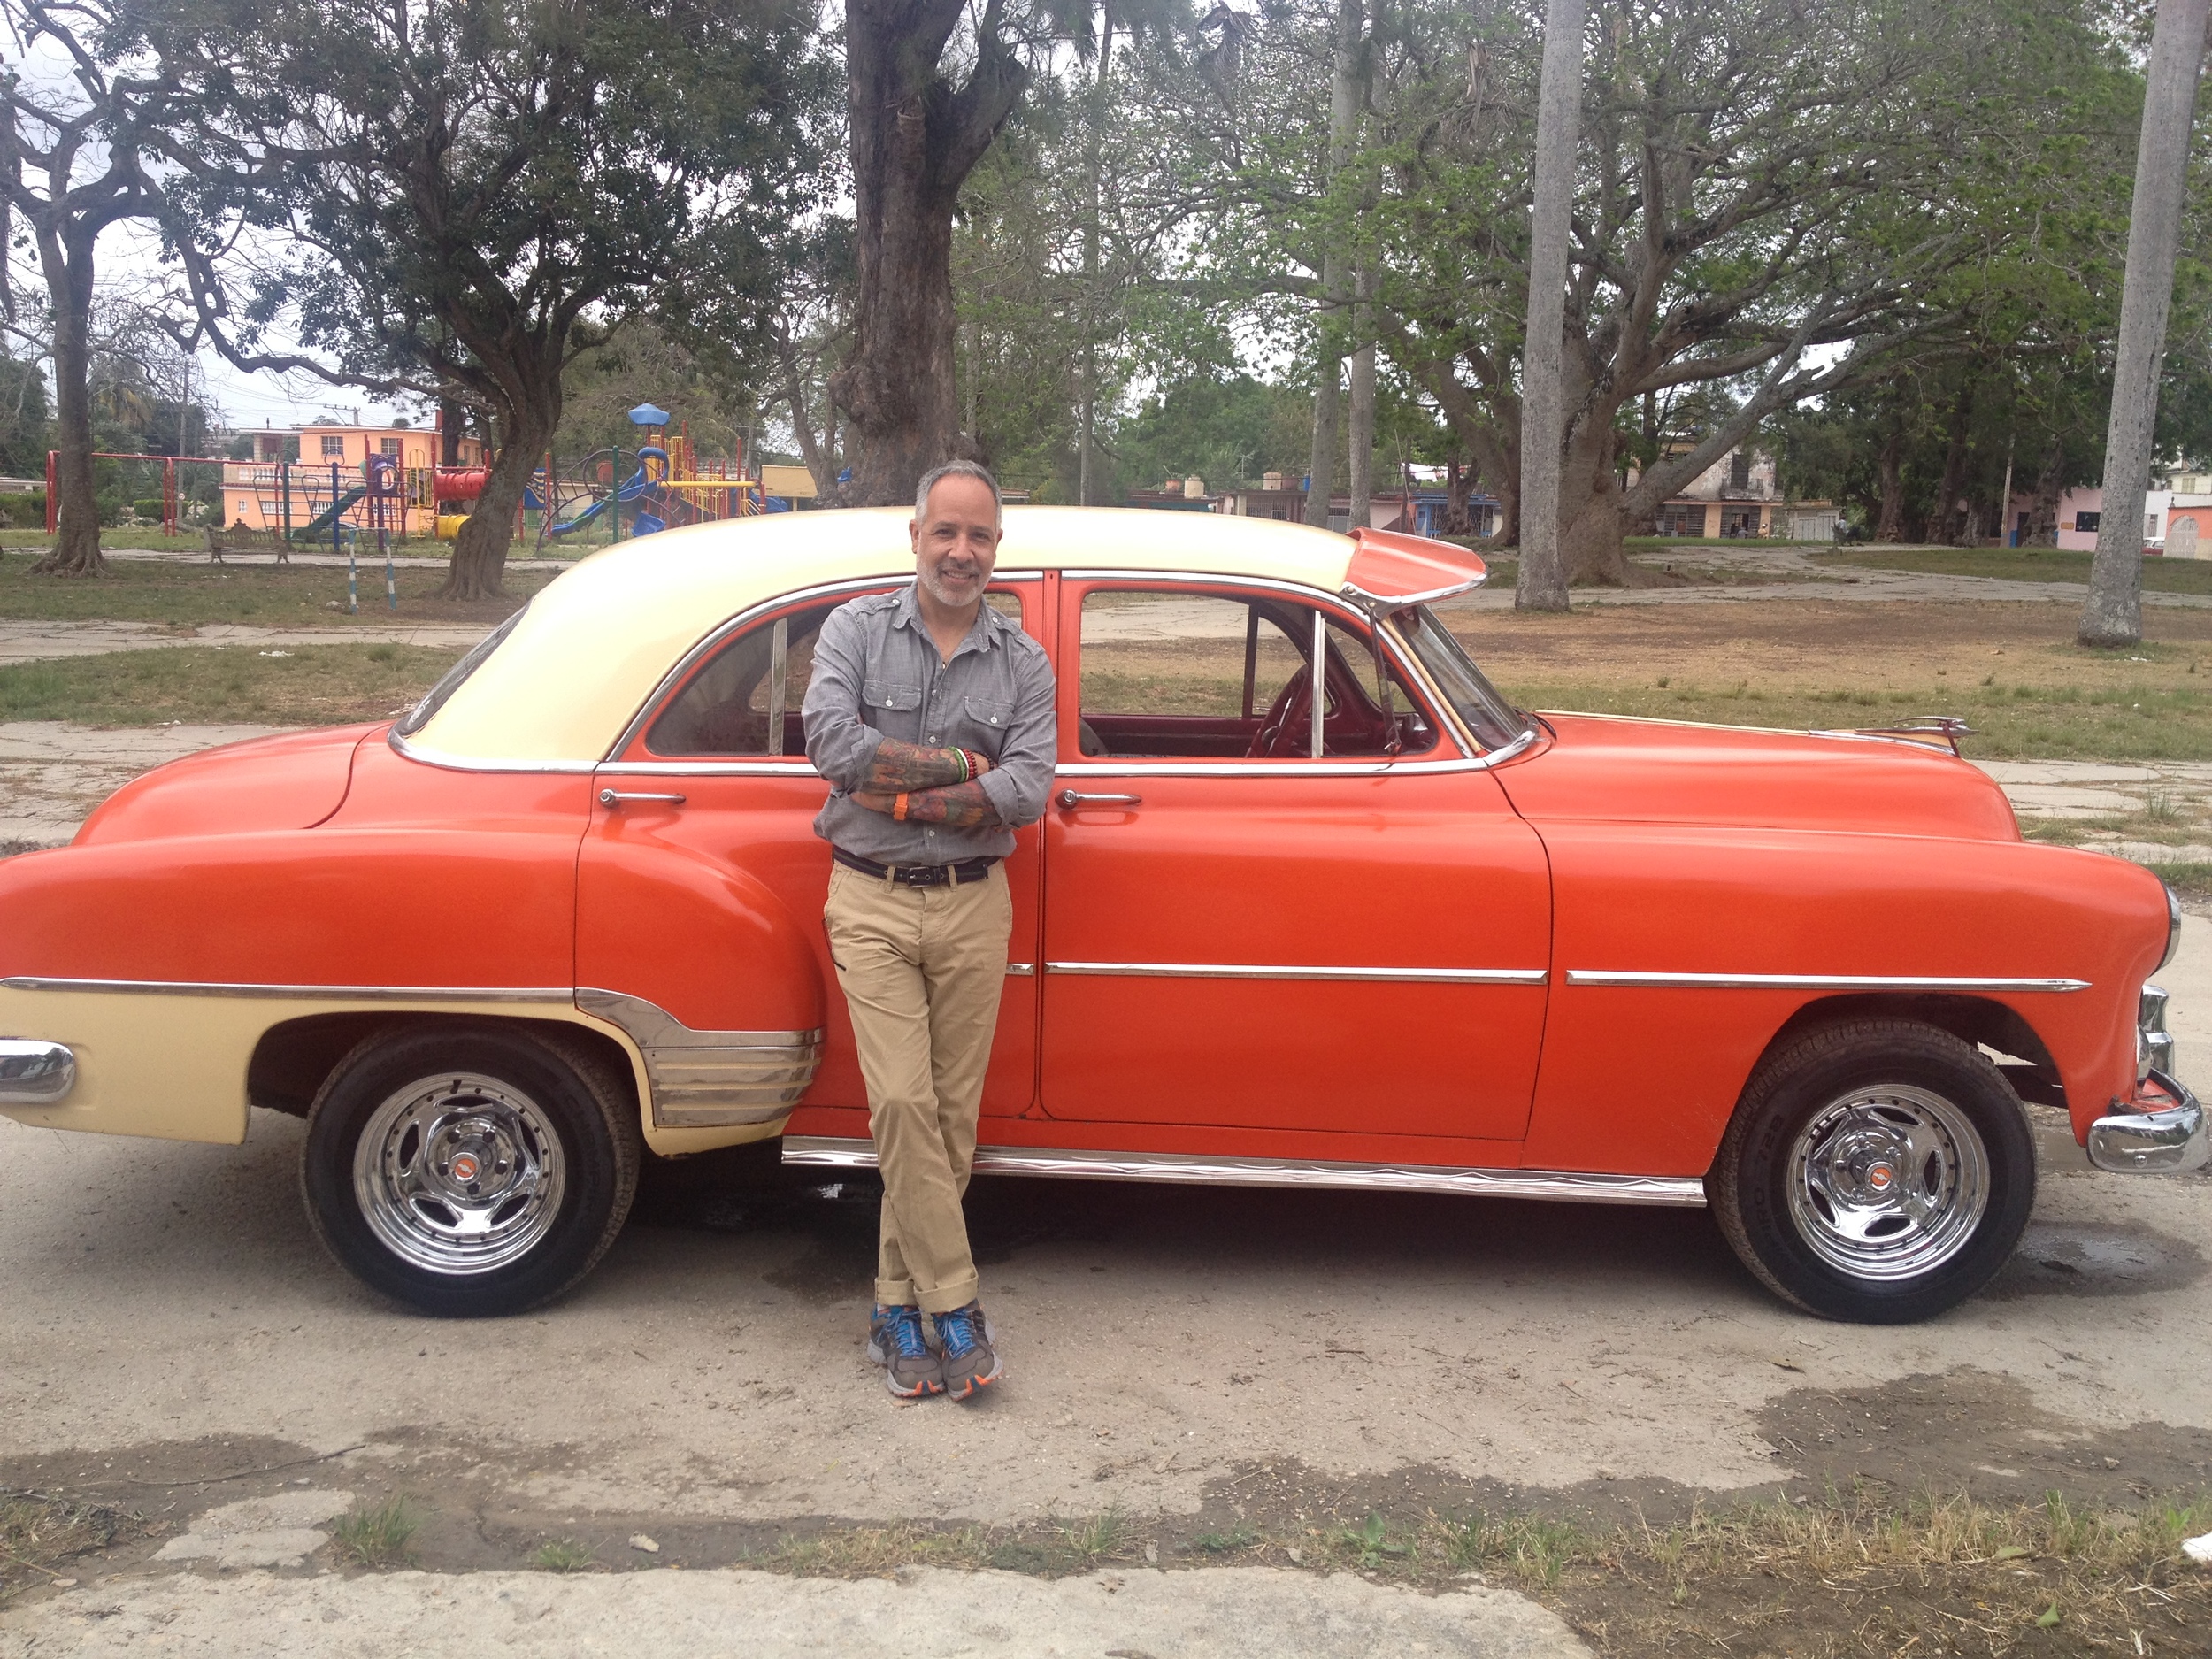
<point>1313,906</point>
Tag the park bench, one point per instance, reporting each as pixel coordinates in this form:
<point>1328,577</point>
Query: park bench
<point>243,540</point>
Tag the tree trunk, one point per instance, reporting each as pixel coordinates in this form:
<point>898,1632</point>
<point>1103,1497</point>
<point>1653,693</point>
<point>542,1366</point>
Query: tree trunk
<point>2043,510</point>
<point>1321,468</point>
<point>1500,461</point>
<point>1592,523</point>
<point>2113,613</point>
<point>1947,523</point>
<point>479,552</point>
<point>1543,579</point>
<point>915,140</point>
<point>68,273</point>
<point>1889,469</point>
<point>1459,484</point>
<point>1361,439</point>
<point>1094,168</point>
<point>450,418</point>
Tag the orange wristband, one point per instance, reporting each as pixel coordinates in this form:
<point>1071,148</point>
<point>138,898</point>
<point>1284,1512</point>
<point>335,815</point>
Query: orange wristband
<point>898,810</point>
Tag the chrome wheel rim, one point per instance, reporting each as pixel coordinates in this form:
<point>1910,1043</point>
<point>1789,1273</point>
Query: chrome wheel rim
<point>458,1174</point>
<point>1887,1183</point>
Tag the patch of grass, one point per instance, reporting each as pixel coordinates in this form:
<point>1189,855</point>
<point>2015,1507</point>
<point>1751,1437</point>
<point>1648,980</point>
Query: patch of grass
<point>1530,1547</point>
<point>2115,722</point>
<point>562,1554</point>
<point>264,595</point>
<point>2191,881</point>
<point>312,685</point>
<point>1219,1543</point>
<point>1370,1543</point>
<point>376,1534</point>
<point>1095,1537</point>
<point>869,1551</point>
<point>2023,564</point>
<point>40,1535</point>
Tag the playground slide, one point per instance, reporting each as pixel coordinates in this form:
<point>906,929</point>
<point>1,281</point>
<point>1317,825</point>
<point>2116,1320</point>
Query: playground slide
<point>320,525</point>
<point>632,486</point>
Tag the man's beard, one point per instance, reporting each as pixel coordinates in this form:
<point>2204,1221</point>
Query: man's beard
<point>928,576</point>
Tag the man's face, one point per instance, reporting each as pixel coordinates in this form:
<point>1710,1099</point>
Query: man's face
<point>955,540</point>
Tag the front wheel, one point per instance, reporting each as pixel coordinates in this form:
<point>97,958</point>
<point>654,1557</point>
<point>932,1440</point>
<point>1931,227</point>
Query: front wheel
<point>469,1170</point>
<point>1879,1171</point>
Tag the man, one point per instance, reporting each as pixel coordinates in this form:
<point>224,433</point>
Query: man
<point>931,716</point>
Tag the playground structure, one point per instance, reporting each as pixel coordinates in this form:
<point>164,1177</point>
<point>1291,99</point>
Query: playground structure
<point>160,472</point>
<point>671,486</point>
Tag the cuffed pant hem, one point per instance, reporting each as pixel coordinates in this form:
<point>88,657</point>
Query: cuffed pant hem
<point>950,1296</point>
<point>898,1295</point>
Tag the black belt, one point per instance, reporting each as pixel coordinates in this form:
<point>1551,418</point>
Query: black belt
<point>917,875</point>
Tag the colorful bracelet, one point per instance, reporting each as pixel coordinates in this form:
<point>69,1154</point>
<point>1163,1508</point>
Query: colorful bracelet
<point>967,769</point>
<point>898,810</point>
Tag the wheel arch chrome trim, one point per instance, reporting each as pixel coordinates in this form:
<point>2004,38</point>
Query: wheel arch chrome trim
<point>543,994</point>
<point>1621,976</point>
<point>1564,1186</point>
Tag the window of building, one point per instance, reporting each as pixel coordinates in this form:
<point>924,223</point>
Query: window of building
<point>388,446</point>
<point>333,449</point>
<point>2087,521</point>
<point>1176,674</point>
<point>1740,469</point>
<point>1678,520</point>
<point>2150,526</point>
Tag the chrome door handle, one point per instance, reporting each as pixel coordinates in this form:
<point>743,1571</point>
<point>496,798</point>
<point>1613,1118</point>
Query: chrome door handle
<point>616,797</point>
<point>1070,798</point>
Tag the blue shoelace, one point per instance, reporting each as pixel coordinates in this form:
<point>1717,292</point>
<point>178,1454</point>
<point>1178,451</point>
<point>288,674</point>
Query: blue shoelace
<point>956,1330</point>
<point>904,1328</point>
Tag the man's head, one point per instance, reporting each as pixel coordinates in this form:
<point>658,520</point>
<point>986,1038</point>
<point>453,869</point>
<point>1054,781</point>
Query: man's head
<point>955,533</point>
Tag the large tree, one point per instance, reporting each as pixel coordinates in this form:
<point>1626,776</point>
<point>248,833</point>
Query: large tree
<point>78,110</point>
<point>470,193</point>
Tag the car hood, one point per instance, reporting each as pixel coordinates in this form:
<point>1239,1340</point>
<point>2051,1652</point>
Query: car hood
<point>1597,768</point>
<point>293,780</point>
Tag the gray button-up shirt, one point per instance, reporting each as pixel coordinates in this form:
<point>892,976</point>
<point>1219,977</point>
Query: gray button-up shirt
<point>877,674</point>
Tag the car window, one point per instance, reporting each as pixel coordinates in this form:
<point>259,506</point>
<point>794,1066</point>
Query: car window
<point>730,707</point>
<point>1173,673</point>
<point>1494,721</point>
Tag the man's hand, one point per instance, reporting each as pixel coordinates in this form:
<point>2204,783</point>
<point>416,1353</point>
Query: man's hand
<point>905,767</point>
<point>960,805</point>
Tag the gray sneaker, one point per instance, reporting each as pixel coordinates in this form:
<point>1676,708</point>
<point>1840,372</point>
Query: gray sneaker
<point>895,1342</point>
<point>963,1339</point>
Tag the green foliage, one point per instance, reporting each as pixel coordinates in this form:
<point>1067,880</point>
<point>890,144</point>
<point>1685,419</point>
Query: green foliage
<point>377,1534</point>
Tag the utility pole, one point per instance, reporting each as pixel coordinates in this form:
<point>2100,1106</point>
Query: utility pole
<point>2114,612</point>
<point>1327,385</point>
<point>1543,579</point>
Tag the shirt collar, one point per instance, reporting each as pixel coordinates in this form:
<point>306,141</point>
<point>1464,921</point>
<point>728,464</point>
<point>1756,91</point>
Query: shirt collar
<point>981,635</point>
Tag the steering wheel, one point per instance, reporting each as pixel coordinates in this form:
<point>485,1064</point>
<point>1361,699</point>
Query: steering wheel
<point>1286,730</point>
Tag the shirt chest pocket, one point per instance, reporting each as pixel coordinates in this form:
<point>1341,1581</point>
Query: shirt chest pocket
<point>889,694</point>
<point>984,721</point>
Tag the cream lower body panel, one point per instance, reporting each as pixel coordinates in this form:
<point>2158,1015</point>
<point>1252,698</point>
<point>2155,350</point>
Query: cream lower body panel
<point>170,1064</point>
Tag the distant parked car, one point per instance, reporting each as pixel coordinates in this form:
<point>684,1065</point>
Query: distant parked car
<point>1313,906</point>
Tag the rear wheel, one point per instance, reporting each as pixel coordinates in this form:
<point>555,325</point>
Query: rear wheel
<point>1880,1172</point>
<point>469,1170</point>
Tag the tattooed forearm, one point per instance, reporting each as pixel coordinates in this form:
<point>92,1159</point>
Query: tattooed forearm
<point>910,766</point>
<point>963,806</point>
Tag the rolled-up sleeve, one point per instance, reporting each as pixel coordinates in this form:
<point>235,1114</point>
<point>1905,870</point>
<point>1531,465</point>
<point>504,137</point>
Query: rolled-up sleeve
<point>842,744</point>
<point>1020,782</point>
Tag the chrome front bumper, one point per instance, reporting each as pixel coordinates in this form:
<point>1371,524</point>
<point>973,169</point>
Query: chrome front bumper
<point>2166,1136</point>
<point>34,1073</point>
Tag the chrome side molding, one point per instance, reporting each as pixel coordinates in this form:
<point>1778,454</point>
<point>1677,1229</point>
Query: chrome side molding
<point>1811,981</point>
<point>710,1079</point>
<point>2167,1137</point>
<point>1567,1186</point>
<point>33,1073</point>
<point>1295,970</point>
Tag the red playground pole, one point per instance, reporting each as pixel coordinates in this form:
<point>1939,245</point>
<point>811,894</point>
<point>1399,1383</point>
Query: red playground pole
<point>53,513</point>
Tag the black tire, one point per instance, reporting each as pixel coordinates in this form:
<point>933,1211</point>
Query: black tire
<point>542,1120</point>
<point>1879,1171</point>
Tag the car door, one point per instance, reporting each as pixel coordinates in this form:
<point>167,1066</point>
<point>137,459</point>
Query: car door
<point>1258,919</point>
<point>710,804</point>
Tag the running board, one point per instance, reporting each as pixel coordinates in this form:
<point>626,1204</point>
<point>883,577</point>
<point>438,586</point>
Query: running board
<point>1687,1192</point>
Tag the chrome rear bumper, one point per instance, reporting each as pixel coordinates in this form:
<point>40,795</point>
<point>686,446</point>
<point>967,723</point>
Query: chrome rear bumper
<point>2167,1135</point>
<point>33,1073</point>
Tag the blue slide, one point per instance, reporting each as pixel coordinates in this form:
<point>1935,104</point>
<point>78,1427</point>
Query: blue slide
<point>320,525</point>
<point>632,486</point>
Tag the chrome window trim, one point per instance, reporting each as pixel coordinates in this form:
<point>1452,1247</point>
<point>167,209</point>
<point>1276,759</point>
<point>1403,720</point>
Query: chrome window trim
<point>1814,981</point>
<point>756,766</point>
<point>1471,756</point>
<point>550,993</point>
<point>1565,1185</point>
<point>1349,767</point>
<point>445,762</point>
<point>850,587</point>
<point>1291,970</point>
<point>1360,596</point>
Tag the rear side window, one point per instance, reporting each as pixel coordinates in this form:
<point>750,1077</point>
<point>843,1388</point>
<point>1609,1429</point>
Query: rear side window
<point>746,700</point>
<point>419,717</point>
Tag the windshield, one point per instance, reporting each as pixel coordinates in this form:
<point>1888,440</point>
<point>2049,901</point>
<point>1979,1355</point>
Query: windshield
<point>417,717</point>
<point>1494,721</point>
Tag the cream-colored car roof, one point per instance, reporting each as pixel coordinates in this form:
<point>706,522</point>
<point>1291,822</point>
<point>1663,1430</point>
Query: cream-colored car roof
<point>595,642</point>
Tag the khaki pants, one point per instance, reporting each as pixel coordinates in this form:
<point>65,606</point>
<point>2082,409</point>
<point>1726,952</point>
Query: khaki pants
<point>921,969</point>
